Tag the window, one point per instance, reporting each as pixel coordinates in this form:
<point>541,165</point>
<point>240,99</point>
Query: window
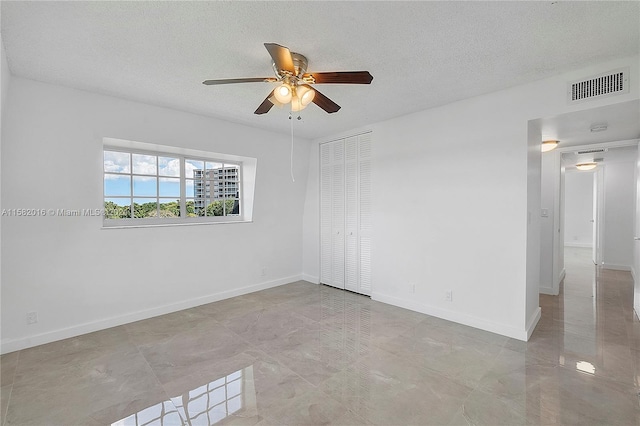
<point>151,187</point>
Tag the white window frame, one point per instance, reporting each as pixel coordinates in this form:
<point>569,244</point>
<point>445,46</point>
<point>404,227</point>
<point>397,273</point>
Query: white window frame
<point>246,167</point>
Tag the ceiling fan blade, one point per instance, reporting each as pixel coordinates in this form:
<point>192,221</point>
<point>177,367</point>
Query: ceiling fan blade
<point>339,77</point>
<point>281,57</point>
<point>265,106</point>
<point>323,102</point>
<point>240,80</point>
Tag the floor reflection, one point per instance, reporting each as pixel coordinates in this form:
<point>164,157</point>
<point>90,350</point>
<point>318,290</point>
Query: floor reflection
<point>164,413</point>
<point>345,334</point>
<point>585,367</point>
<point>345,338</point>
<point>204,405</point>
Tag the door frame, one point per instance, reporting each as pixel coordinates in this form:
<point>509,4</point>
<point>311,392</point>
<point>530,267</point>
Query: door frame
<point>598,215</point>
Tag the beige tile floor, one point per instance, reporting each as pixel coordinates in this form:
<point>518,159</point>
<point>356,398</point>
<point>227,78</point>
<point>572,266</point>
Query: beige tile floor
<point>307,354</point>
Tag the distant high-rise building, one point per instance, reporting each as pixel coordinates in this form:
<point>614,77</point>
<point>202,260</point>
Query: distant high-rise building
<point>215,184</point>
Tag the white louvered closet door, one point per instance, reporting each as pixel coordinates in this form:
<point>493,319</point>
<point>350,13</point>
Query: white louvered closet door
<point>345,214</point>
<point>351,213</point>
<point>332,214</point>
<point>365,221</point>
<point>337,215</point>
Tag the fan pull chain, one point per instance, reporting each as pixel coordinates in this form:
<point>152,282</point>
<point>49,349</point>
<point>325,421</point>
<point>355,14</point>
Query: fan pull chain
<point>293,179</point>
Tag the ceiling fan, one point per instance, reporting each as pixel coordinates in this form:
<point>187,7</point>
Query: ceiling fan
<point>295,83</point>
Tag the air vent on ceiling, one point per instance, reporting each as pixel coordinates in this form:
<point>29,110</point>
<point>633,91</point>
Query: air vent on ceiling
<point>611,83</point>
<point>592,151</point>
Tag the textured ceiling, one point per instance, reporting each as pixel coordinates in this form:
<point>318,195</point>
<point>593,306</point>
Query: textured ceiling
<point>421,54</point>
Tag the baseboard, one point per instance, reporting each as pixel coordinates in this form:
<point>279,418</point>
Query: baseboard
<point>579,245</point>
<point>563,274</point>
<point>11,345</point>
<point>311,278</point>
<point>533,321</point>
<point>471,321</point>
<point>555,290</point>
<point>616,267</point>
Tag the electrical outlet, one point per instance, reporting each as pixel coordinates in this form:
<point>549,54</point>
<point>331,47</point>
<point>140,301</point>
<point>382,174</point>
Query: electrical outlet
<point>263,272</point>
<point>448,296</point>
<point>32,318</point>
<point>413,288</point>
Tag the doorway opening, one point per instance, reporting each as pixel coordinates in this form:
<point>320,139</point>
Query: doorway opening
<point>580,218</point>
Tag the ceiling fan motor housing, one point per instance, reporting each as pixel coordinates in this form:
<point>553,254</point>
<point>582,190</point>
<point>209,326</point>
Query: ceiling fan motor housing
<point>300,64</point>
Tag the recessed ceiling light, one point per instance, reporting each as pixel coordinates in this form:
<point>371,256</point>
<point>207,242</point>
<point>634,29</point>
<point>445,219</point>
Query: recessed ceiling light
<point>598,128</point>
<point>586,166</point>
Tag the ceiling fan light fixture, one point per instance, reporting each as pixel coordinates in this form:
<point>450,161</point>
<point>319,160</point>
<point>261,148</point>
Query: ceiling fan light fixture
<point>296,104</point>
<point>549,145</point>
<point>305,95</point>
<point>586,166</point>
<point>283,93</point>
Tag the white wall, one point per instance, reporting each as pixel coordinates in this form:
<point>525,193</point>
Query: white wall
<point>558,248</point>
<point>5,78</point>
<point>5,75</point>
<point>532,263</point>
<point>311,220</point>
<point>578,231</point>
<point>79,277</point>
<point>636,247</point>
<point>619,212</point>
<point>550,270</point>
<point>455,216</point>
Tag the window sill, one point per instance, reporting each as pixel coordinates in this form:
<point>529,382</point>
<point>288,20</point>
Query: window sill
<point>163,225</point>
